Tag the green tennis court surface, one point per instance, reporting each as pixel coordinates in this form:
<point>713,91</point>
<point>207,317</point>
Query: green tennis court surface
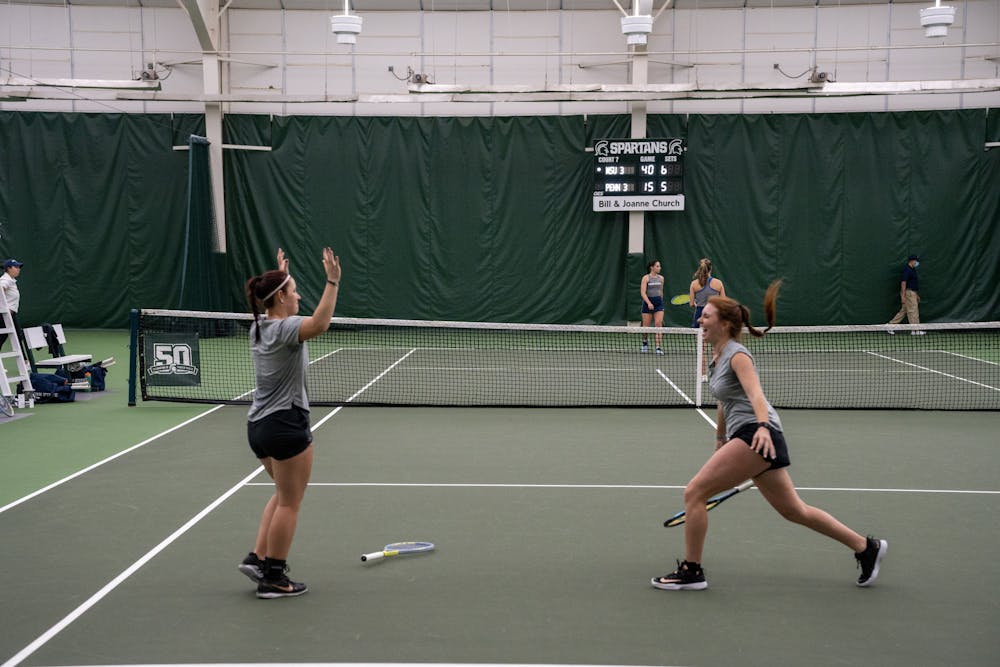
<point>548,528</point>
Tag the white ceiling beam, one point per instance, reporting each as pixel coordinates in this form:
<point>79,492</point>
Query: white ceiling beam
<point>204,15</point>
<point>563,93</point>
<point>107,84</point>
<point>205,20</point>
<point>596,92</point>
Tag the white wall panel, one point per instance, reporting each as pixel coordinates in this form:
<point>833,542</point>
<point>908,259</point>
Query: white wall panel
<point>717,34</point>
<point>708,106</point>
<point>107,42</point>
<point>449,36</point>
<point>850,104</point>
<point>389,39</point>
<point>46,31</point>
<point>595,41</point>
<point>257,40</point>
<point>292,52</point>
<point>534,33</point>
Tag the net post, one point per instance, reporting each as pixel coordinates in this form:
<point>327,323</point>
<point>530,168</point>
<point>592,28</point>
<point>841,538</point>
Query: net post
<point>133,346</point>
<point>698,367</point>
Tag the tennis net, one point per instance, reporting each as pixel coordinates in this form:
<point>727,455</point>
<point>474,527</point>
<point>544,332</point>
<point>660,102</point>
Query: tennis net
<point>203,357</point>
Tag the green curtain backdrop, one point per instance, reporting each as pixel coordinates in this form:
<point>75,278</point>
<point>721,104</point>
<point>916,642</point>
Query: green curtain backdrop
<point>479,219</point>
<point>94,206</point>
<point>834,204</point>
<point>490,218</point>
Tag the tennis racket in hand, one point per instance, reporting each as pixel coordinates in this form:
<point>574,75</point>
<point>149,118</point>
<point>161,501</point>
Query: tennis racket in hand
<point>398,549</point>
<point>681,300</point>
<point>710,504</point>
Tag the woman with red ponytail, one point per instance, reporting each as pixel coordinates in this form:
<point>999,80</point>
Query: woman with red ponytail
<point>750,444</point>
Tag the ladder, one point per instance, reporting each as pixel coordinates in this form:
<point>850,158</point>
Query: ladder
<point>16,353</point>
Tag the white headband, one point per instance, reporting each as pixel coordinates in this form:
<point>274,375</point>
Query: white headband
<point>277,289</point>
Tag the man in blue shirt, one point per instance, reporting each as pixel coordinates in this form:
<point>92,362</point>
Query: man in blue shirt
<point>909,295</point>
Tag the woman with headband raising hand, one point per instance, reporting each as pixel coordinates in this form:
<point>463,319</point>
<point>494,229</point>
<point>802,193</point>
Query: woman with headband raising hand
<point>278,421</point>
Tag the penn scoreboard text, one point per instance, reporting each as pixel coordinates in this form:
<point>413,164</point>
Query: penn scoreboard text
<point>639,175</point>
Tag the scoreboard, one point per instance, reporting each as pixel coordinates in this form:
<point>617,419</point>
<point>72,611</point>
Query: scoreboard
<point>639,175</point>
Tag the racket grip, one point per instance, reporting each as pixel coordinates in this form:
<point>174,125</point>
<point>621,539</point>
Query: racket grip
<point>375,555</point>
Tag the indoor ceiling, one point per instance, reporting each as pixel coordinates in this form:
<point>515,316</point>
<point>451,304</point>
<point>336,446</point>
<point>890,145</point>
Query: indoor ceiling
<point>362,6</point>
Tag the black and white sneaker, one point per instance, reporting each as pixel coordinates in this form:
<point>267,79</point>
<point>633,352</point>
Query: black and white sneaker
<point>252,566</point>
<point>869,560</point>
<point>687,577</point>
<point>281,587</point>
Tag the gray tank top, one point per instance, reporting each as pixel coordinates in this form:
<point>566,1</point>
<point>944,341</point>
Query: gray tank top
<point>280,362</point>
<point>726,387</point>
<point>654,286</point>
<point>702,296</point>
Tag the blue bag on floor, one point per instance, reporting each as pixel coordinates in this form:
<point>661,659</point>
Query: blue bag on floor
<point>97,374</point>
<point>51,388</point>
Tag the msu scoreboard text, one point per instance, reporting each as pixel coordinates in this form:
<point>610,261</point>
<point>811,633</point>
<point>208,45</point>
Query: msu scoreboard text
<point>639,175</point>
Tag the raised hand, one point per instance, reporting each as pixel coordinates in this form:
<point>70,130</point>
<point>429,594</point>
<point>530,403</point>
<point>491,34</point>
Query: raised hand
<point>331,263</point>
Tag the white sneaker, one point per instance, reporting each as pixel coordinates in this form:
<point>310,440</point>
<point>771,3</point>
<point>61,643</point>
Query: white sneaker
<point>891,332</point>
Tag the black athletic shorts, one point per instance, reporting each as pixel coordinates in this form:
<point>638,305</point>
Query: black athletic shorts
<point>280,435</point>
<point>657,302</point>
<point>780,460</point>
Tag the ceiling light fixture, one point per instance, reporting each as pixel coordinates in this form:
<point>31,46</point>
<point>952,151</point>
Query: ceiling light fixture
<point>637,26</point>
<point>936,19</point>
<point>346,26</point>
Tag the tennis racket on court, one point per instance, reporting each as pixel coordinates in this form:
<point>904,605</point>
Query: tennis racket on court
<point>681,299</point>
<point>710,504</point>
<point>398,549</point>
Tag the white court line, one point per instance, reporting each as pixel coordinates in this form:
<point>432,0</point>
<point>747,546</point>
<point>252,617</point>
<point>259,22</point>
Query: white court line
<point>137,446</point>
<point>43,639</point>
<point>842,371</point>
<point>640,487</point>
<point>687,398</point>
<point>358,392</point>
<point>924,368</point>
<point>106,460</point>
<point>166,432</point>
<point>351,664</point>
<point>676,388</point>
<point>965,356</point>
<point>474,485</point>
<point>711,422</point>
<point>524,369</point>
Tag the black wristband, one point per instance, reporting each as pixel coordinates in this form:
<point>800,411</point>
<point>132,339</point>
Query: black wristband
<point>332,282</point>
<point>766,425</point>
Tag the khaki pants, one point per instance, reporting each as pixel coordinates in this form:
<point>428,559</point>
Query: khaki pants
<point>910,308</point>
